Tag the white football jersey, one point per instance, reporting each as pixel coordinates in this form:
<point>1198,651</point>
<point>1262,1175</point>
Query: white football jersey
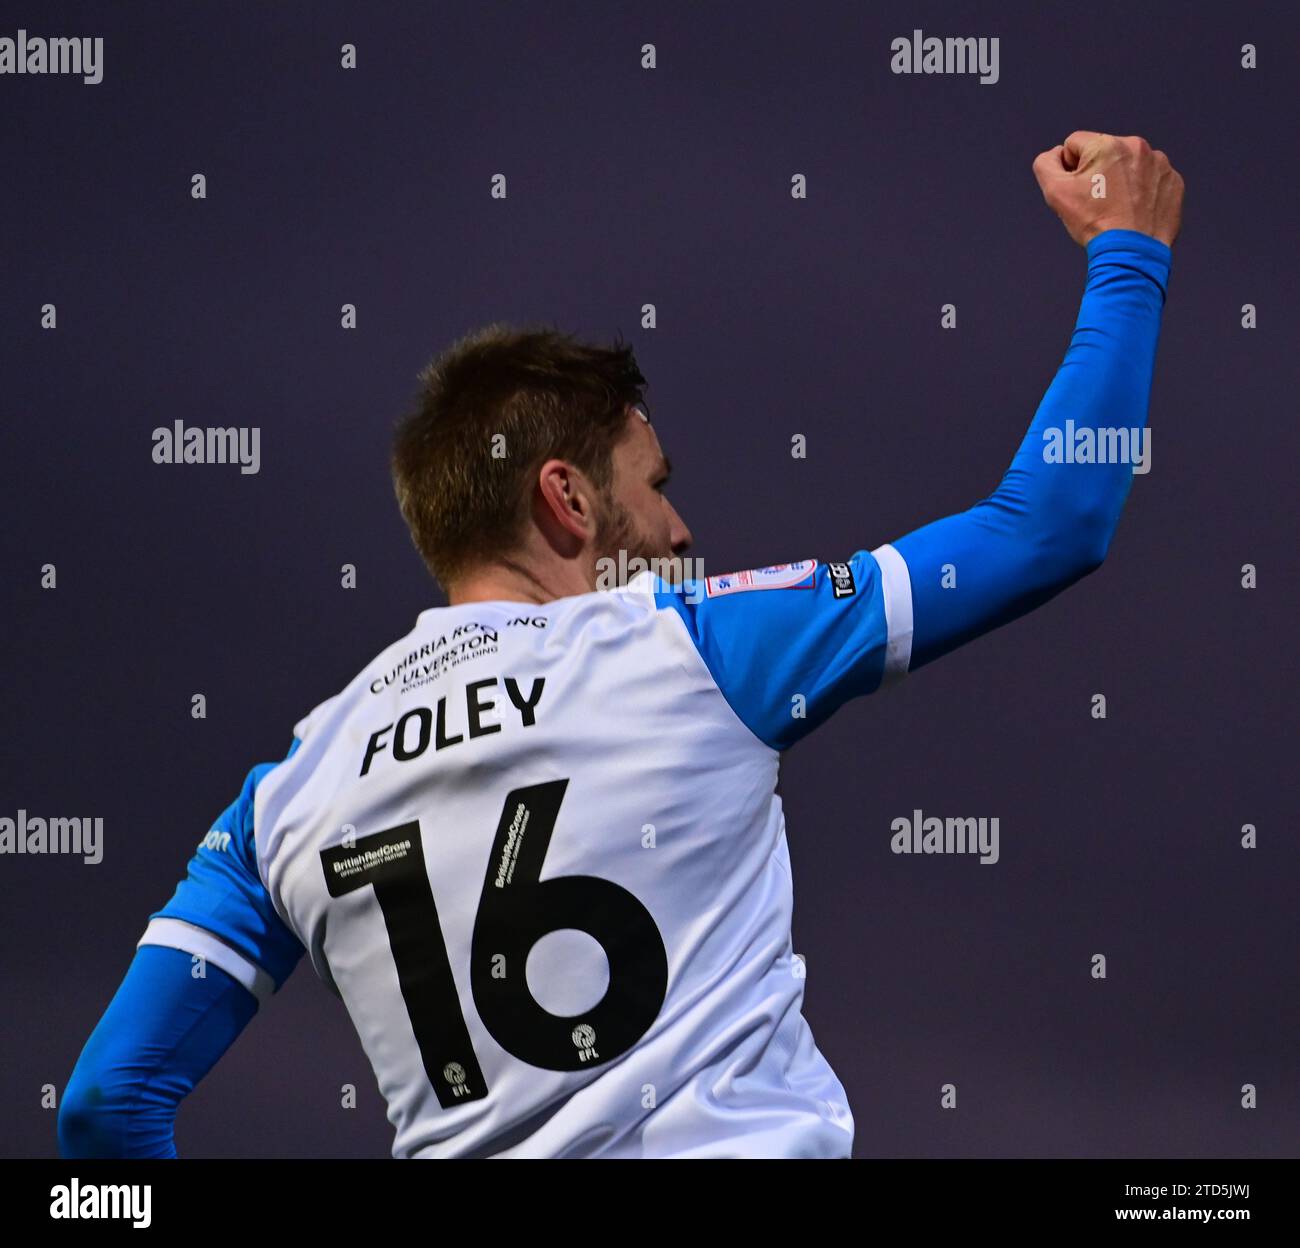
<point>538,852</point>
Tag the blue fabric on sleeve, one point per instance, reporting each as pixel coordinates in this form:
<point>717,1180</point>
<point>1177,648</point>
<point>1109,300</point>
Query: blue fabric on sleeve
<point>162,1032</point>
<point>223,891</point>
<point>1048,524</point>
<point>786,658</point>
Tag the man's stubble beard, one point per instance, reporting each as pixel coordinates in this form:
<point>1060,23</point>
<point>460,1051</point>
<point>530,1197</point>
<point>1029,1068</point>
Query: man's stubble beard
<point>617,532</point>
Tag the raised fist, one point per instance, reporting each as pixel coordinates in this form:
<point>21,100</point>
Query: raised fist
<point>1097,182</point>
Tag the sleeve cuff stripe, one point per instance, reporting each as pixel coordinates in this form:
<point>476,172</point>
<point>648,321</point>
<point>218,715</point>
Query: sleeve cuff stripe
<point>177,934</point>
<point>896,588</point>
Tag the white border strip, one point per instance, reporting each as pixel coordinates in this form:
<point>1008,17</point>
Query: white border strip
<point>896,588</point>
<point>177,934</point>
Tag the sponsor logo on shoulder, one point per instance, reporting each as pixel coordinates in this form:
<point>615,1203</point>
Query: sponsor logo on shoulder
<point>841,577</point>
<point>216,839</point>
<point>779,576</point>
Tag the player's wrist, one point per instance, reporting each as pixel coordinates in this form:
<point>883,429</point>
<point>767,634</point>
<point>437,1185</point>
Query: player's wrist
<point>1126,233</point>
<point>1131,249</point>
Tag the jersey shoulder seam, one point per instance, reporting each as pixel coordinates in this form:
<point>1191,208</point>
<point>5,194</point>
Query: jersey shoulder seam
<point>683,634</point>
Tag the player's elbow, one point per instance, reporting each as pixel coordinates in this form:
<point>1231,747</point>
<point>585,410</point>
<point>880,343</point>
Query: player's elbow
<point>1089,540</point>
<point>1092,554</point>
<point>86,1119</point>
<point>102,1112</point>
<point>1080,538</point>
<point>1067,550</point>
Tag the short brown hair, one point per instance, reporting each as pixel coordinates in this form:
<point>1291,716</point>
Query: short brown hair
<point>546,394</point>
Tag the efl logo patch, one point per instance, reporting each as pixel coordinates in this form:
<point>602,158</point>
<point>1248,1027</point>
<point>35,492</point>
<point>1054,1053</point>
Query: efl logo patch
<point>779,576</point>
<point>842,581</point>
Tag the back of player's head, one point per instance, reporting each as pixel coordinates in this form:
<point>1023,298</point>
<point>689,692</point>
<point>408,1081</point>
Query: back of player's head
<point>491,410</point>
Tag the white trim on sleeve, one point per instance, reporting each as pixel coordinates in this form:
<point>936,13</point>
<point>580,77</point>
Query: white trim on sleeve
<point>177,934</point>
<point>896,587</point>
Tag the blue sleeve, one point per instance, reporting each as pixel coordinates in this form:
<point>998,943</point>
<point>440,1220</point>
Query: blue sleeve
<point>787,645</point>
<point>1051,520</point>
<point>163,1031</point>
<point>222,895</point>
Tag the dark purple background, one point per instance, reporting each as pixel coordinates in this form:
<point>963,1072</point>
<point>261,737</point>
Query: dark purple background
<point>776,317</point>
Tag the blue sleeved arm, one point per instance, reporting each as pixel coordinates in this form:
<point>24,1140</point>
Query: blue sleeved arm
<point>1051,520</point>
<point>205,961</point>
<point>163,1031</point>
<point>221,909</point>
<point>817,634</point>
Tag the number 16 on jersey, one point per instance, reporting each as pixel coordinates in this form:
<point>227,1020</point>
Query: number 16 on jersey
<point>516,909</point>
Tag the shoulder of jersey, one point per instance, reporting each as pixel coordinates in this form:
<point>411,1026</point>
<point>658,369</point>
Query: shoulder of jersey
<point>642,583</point>
<point>303,727</point>
<point>321,710</point>
<point>642,587</point>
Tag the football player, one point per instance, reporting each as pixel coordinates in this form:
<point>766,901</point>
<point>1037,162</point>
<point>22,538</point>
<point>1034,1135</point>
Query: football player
<point>535,845</point>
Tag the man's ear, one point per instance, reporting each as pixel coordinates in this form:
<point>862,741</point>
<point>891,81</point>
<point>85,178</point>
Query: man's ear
<point>565,498</point>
